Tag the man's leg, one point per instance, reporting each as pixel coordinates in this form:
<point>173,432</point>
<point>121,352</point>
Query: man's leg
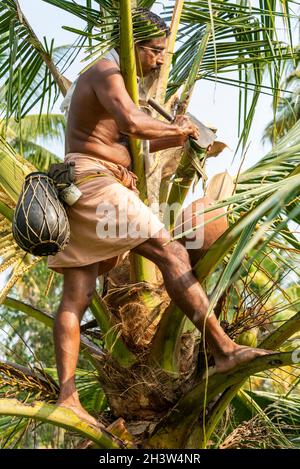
<point>184,289</point>
<point>78,289</point>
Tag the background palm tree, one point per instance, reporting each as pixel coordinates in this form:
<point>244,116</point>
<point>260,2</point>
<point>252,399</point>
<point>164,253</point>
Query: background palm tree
<point>36,131</point>
<point>145,379</point>
<point>288,105</point>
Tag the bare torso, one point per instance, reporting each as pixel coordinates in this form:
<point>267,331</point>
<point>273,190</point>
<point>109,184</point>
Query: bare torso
<point>91,129</point>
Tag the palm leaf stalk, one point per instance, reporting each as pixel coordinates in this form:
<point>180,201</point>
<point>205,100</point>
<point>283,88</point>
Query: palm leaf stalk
<point>112,342</point>
<point>128,69</point>
<point>144,270</point>
<point>87,346</point>
<point>162,82</point>
<point>186,171</point>
<point>61,417</point>
<point>272,342</point>
<point>29,384</point>
<point>26,72</point>
<point>157,186</point>
<point>171,326</point>
<point>174,431</point>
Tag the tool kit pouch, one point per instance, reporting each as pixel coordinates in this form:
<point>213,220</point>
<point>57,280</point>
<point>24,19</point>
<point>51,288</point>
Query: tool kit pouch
<point>63,176</point>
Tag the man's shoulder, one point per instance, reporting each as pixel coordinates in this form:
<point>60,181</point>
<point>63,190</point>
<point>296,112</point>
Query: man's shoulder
<point>104,64</point>
<point>102,72</point>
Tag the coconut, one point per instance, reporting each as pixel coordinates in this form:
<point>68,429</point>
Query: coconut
<point>248,338</point>
<point>201,239</point>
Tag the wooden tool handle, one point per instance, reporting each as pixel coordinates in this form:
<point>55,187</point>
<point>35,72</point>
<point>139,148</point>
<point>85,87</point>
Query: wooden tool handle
<point>160,110</point>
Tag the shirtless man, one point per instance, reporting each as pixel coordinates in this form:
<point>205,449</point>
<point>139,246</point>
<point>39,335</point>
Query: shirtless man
<point>101,111</point>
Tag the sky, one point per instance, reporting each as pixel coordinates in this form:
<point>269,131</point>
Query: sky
<point>211,102</point>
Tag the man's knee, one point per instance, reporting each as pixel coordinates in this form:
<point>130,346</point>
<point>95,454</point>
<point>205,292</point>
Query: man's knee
<point>164,252</point>
<point>174,253</point>
<point>78,299</point>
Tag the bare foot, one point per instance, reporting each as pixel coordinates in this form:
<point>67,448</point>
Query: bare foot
<point>79,411</point>
<point>240,354</point>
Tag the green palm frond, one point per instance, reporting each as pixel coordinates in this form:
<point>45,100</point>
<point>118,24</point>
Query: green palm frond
<point>252,234</point>
<point>240,32</point>
<point>37,155</point>
<point>91,395</point>
<point>29,72</point>
<point>262,432</point>
<point>256,227</point>
<point>103,32</point>
<point>20,382</point>
<point>281,160</point>
<point>287,110</point>
<point>145,3</point>
<point>14,168</point>
<point>284,409</point>
<point>256,413</point>
<point>24,135</point>
<point>12,429</point>
<point>46,126</point>
<point>264,296</point>
<point>280,412</point>
<point>27,385</point>
<point>243,48</point>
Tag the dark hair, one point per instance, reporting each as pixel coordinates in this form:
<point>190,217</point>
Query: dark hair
<point>146,15</point>
<point>156,20</point>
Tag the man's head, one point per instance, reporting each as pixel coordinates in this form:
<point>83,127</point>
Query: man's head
<point>150,54</point>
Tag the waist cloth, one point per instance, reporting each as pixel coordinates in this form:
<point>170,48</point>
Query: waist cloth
<point>108,220</point>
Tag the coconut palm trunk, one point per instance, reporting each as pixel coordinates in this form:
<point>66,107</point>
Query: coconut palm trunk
<point>151,364</point>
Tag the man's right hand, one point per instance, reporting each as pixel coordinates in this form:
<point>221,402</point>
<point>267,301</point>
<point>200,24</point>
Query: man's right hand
<point>187,127</point>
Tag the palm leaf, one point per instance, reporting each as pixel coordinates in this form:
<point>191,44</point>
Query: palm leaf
<point>103,32</point>
<point>191,405</point>
<point>28,73</point>
<point>273,341</point>
<point>61,417</point>
<point>23,137</point>
<point>275,166</point>
<point>244,40</point>
<point>91,395</point>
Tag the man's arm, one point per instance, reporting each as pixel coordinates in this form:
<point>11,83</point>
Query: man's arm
<point>109,87</point>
